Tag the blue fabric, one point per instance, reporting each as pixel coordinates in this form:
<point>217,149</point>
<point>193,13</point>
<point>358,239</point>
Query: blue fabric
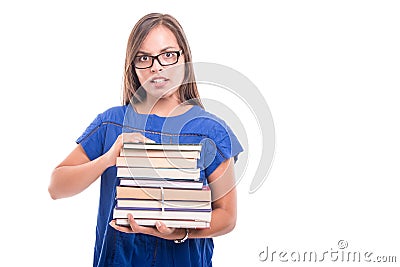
<point>114,248</point>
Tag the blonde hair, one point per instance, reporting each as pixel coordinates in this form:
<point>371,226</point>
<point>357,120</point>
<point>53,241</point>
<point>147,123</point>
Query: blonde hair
<point>187,92</point>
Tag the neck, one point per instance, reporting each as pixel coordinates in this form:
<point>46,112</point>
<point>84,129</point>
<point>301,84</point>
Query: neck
<point>165,107</point>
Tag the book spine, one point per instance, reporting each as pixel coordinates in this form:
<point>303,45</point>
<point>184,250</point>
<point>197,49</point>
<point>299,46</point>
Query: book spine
<point>150,214</point>
<point>154,173</point>
<point>161,209</point>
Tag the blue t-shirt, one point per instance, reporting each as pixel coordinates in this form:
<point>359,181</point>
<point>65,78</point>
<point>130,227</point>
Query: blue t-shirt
<point>115,248</point>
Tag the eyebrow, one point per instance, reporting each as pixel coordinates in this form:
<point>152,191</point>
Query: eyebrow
<point>161,51</point>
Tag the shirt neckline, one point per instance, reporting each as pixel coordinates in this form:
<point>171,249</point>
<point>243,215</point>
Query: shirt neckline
<point>186,113</point>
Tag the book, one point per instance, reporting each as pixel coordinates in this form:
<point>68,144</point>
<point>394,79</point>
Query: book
<point>150,146</point>
<point>166,205</point>
<point>133,172</point>
<point>161,183</point>
<point>169,223</point>
<point>159,153</point>
<point>145,162</point>
<point>166,194</point>
<point>122,213</point>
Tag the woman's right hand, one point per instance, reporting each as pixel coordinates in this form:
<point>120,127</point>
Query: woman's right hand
<point>77,171</point>
<point>115,150</point>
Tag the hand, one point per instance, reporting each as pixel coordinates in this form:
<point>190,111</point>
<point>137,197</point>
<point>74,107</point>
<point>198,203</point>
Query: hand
<point>115,150</point>
<point>160,230</point>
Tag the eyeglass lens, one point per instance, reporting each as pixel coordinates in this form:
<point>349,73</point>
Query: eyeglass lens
<point>165,59</point>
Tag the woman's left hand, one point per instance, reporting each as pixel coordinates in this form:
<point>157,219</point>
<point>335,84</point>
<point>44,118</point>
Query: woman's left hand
<point>161,230</point>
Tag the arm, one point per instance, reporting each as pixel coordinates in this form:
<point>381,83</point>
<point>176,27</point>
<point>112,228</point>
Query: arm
<point>223,218</point>
<point>77,172</point>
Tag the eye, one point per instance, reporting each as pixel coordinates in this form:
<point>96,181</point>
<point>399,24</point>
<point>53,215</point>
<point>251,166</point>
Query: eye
<point>168,54</point>
<point>143,58</point>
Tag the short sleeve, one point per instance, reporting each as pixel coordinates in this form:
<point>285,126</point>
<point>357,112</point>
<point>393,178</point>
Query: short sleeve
<point>222,145</point>
<point>92,139</point>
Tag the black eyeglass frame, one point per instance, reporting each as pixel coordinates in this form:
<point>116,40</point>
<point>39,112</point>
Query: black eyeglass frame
<point>179,53</point>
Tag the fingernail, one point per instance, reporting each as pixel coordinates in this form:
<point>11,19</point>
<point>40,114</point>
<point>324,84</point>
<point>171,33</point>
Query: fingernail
<point>158,224</point>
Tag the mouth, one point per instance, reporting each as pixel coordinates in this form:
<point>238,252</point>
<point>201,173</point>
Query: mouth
<point>159,80</point>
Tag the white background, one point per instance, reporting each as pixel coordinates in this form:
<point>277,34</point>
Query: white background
<point>329,71</point>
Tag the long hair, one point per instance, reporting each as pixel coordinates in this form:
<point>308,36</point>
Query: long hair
<point>187,92</point>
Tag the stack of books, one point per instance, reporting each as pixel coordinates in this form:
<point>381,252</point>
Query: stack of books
<point>161,182</point>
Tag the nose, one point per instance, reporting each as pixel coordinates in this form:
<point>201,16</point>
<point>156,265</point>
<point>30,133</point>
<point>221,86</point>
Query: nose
<point>156,66</point>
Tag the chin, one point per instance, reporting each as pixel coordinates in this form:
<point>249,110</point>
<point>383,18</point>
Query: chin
<point>161,94</point>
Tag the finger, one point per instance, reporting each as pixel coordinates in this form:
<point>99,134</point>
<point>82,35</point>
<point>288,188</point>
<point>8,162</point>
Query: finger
<point>132,223</point>
<point>148,140</point>
<point>131,138</point>
<point>136,138</point>
<point>162,228</point>
<point>124,229</point>
<point>144,139</point>
<point>140,229</point>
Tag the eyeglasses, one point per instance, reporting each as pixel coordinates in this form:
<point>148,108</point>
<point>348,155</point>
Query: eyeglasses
<point>165,59</point>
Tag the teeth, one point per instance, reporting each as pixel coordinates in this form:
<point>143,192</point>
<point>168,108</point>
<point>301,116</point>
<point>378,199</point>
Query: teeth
<point>158,80</point>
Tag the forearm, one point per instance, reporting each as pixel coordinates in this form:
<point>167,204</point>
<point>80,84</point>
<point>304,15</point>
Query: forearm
<point>222,222</point>
<point>67,181</point>
<point>223,217</point>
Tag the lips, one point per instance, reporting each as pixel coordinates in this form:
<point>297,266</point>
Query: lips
<point>158,80</point>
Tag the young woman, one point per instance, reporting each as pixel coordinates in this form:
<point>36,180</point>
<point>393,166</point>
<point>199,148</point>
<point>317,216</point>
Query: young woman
<point>160,104</point>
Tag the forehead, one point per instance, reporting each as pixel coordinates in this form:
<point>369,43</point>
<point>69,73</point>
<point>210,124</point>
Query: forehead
<point>158,39</point>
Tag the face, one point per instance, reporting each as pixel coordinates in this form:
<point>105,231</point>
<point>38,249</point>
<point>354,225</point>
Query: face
<point>160,81</point>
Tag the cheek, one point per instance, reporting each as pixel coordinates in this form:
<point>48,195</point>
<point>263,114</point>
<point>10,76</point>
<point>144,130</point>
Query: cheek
<point>178,73</point>
<point>142,76</point>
